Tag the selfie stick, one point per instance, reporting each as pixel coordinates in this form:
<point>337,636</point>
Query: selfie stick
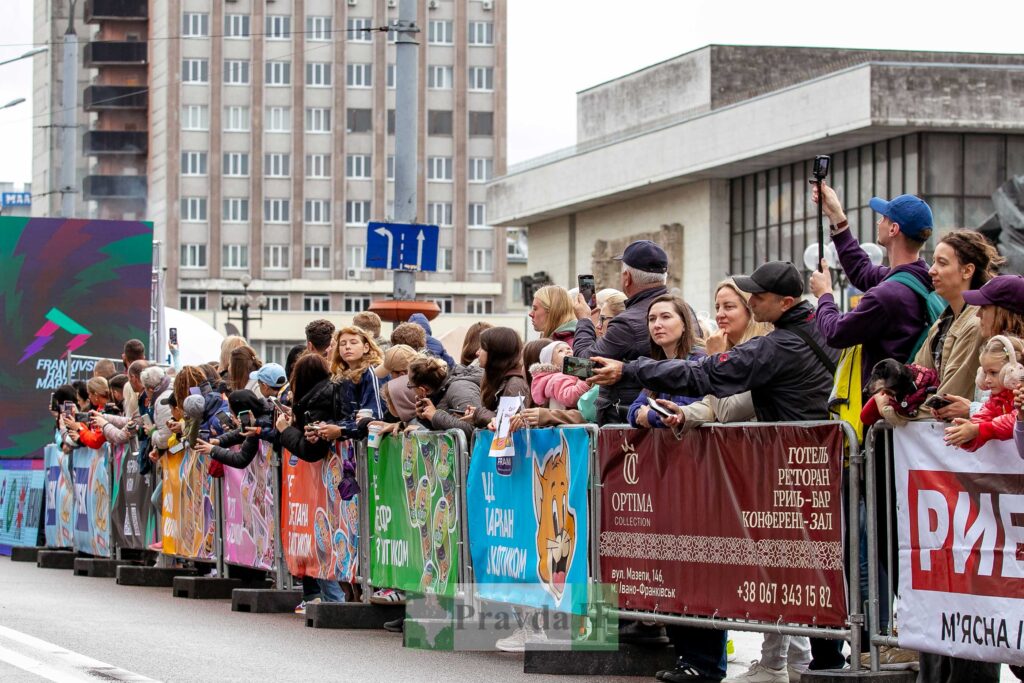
<point>819,176</point>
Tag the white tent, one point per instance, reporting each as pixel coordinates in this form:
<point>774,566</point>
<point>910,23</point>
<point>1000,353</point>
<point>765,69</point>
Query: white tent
<point>197,342</point>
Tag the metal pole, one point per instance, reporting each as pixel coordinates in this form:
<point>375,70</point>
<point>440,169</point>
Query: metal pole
<point>69,128</point>
<point>279,561</point>
<point>406,139</point>
<point>871,514</point>
<point>856,609</point>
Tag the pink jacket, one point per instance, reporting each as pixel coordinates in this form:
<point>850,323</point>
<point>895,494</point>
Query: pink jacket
<point>553,389</point>
<point>995,420</point>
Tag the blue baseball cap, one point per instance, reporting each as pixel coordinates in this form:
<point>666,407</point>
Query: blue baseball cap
<point>270,374</point>
<point>911,213</point>
<point>645,255</point>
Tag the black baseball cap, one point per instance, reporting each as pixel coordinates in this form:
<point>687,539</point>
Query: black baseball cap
<point>645,255</point>
<point>775,277</point>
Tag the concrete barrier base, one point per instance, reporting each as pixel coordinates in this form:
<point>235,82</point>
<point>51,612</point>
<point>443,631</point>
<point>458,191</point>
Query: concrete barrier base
<point>351,615</point>
<point>26,553</point>
<point>157,577</point>
<point>902,676</point>
<point>264,600</point>
<point>98,567</point>
<point>628,660</point>
<point>209,587</point>
<point>55,559</point>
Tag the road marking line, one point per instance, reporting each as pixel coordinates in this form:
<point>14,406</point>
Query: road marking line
<point>35,667</point>
<point>89,668</point>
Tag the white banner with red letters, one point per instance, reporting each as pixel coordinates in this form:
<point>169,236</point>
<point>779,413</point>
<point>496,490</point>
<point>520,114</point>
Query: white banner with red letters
<point>961,546</point>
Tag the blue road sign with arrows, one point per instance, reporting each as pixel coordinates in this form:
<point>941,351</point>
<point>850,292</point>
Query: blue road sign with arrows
<point>401,246</point>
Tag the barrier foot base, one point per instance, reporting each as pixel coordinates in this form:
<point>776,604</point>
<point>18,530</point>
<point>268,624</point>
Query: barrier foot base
<point>55,559</point>
<point>209,587</point>
<point>98,567</point>
<point>264,600</point>
<point>26,553</point>
<point>351,615</point>
<point>628,660</point>
<point>157,577</point>
<point>827,676</point>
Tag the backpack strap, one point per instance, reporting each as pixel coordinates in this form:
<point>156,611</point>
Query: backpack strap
<point>908,280</point>
<point>816,348</point>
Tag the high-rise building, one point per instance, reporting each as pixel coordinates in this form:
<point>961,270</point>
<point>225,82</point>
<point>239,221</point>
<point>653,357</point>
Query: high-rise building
<point>275,124</point>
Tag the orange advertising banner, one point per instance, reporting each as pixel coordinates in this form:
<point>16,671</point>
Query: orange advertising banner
<point>187,506</point>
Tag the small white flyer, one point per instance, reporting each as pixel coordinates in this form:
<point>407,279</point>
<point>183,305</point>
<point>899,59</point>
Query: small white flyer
<point>501,445</point>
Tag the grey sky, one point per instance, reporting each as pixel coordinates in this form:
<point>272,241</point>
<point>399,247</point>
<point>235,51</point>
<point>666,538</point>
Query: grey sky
<point>557,47</point>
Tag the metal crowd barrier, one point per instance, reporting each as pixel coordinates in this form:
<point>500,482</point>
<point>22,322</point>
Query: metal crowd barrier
<point>877,638</point>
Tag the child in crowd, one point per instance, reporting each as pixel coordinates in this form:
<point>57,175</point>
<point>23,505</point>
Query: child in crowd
<point>1001,372</point>
<point>551,388</point>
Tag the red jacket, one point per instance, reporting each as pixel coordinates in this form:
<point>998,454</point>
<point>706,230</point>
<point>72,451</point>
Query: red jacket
<point>89,437</point>
<point>995,420</point>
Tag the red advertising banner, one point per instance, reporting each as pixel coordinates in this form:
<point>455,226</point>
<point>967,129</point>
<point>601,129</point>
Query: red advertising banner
<point>733,522</point>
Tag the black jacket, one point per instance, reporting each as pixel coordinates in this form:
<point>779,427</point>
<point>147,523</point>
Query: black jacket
<point>626,339</point>
<point>786,379</point>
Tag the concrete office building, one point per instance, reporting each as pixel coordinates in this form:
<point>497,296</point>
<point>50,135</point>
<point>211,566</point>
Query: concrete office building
<point>709,153</point>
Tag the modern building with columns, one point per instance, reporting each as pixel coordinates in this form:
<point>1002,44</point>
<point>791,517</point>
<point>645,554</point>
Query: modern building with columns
<point>709,153</point>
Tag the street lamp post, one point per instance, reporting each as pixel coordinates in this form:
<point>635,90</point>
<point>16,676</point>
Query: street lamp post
<point>30,53</point>
<point>243,304</point>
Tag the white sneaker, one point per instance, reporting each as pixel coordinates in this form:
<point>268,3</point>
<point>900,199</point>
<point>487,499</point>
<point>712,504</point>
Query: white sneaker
<point>758,673</point>
<point>519,638</point>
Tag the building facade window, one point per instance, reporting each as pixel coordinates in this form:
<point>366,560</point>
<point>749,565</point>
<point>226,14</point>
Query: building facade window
<point>276,351</point>
<point>359,30</point>
<point>318,165</point>
<point>481,123</point>
<point>279,73</point>
<point>195,24</point>
<point>439,213</point>
<point>193,163</point>
<point>391,167</point>
<point>195,117</point>
<point>479,306</point>
<point>236,72</point>
<point>318,120</point>
<point>359,120</point>
<point>236,119</point>
<point>317,211</point>
<point>318,28</point>
<point>279,119</point>
<point>359,75</point>
<point>480,169</point>
<point>278,302</point>
<point>439,169</point>
<point>316,303</point>
<point>195,71</point>
<point>193,255</point>
<point>355,257</point>
<point>236,164</point>
<point>357,212</point>
<point>444,303</point>
<point>392,76</point>
<point>317,257</point>
<point>277,165</point>
<point>277,210</point>
<point>445,260</point>
<point>279,27</point>
<point>237,25</point>
<point>235,256</point>
<point>236,209</point>
<point>440,32</point>
<point>275,257</point>
<point>481,261</point>
<point>439,77</point>
<point>356,304</point>
<point>515,241</point>
<point>357,166</point>
<point>481,33</point>
<point>477,215</point>
<point>318,74</point>
<point>187,301</point>
<point>193,209</point>
<point>439,122</point>
<point>481,78</point>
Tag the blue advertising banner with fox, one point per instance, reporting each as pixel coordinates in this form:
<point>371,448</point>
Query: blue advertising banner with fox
<point>529,530</point>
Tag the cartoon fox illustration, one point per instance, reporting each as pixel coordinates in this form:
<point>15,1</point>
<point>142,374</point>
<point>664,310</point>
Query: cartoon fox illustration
<point>556,520</point>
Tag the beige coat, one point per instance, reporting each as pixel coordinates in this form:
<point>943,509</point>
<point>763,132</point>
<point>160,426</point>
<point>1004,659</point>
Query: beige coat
<point>960,351</point>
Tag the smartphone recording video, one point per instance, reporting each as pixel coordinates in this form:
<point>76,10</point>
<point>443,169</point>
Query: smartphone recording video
<point>578,367</point>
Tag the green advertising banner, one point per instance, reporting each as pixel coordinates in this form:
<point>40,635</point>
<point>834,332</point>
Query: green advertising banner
<point>415,512</point>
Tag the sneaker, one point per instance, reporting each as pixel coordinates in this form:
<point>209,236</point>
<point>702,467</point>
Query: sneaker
<point>892,658</point>
<point>759,673</point>
<point>388,596</point>
<point>395,625</point>
<point>730,651</point>
<point>684,673</point>
<point>519,638</point>
<point>639,633</point>
<point>301,607</point>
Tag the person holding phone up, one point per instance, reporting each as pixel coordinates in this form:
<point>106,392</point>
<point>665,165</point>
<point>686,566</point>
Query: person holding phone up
<point>672,336</point>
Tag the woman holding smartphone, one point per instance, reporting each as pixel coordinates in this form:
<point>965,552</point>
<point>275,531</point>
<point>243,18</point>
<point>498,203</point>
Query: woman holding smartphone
<point>672,335</point>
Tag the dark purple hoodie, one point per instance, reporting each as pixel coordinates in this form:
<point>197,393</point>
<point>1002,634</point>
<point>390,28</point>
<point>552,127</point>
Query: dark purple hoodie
<point>889,318</point>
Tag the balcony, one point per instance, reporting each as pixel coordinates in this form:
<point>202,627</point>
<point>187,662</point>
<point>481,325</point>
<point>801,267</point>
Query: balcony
<point>123,10</point>
<point>115,187</point>
<point>104,97</point>
<point>116,53</point>
<point>97,142</point>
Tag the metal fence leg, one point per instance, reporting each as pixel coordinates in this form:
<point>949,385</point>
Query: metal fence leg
<point>279,563</point>
<point>218,535</point>
<point>856,609</point>
<point>871,506</point>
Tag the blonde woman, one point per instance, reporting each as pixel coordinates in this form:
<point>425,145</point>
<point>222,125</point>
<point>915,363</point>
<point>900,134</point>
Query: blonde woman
<point>357,390</point>
<point>613,303</point>
<point>552,314</point>
<point>229,344</point>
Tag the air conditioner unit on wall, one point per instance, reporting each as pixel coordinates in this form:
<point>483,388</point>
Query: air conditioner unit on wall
<point>487,4</point>
<point>433,4</point>
<point>392,4</point>
<point>351,273</point>
<point>353,3</point>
